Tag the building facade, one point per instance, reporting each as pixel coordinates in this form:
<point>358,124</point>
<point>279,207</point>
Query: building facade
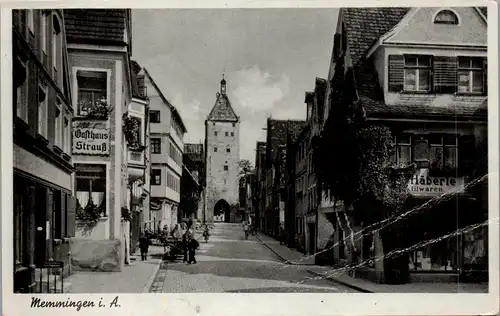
<point>138,158</point>
<point>259,194</point>
<point>422,72</point>
<point>166,146</point>
<point>194,161</point>
<point>275,167</point>
<point>100,74</point>
<point>222,153</point>
<point>44,203</point>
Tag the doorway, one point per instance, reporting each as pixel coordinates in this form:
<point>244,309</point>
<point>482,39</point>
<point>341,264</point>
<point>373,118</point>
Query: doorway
<point>222,211</point>
<point>40,225</point>
<point>312,237</point>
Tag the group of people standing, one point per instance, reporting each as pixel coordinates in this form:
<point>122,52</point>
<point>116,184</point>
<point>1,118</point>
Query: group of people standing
<point>189,243</point>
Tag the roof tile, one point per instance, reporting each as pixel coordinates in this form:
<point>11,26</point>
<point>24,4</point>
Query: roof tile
<point>222,110</point>
<point>460,108</point>
<point>100,25</point>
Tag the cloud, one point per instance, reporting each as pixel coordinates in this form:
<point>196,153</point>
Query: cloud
<point>257,91</point>
<point>193,115</point>
<point>250,132</point>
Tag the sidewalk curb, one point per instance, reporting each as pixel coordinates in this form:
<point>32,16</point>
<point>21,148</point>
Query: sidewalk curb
<point>274,251</point>
<point>286,261</point>
<point>152,277</point>
<point>354,287</point>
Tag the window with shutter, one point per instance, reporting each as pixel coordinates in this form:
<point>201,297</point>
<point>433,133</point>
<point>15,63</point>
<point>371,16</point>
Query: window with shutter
<point>403,151</point>
<point>417,73</point>
<point>63,211</point>
<point>396,73</point>
<point>471,75</point>
<point>71,217</point>
<point>445,74</point>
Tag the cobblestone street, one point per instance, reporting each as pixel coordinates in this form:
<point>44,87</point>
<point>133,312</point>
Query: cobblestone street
<point>229,263</point>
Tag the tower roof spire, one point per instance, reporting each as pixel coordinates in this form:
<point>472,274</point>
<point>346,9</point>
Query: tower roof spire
<point>223,85</point>
<point>222,109</point>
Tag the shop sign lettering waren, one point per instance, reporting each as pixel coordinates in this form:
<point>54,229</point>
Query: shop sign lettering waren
<point>90,140</point>
<point>422,184</point>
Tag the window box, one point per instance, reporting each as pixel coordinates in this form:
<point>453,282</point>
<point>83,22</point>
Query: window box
<point>66,156</point>
<point>136,147</point>
<point>57,149</point>
<point>20,124</point>
<point>40,139</point>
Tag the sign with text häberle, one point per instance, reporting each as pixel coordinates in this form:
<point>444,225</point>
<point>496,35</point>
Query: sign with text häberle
<point>90,139</point>
<point>423,184</point>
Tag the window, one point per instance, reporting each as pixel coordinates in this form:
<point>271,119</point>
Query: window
<point>43,33</point>
<point>59,131</point>
<point>417,73</point>
<point>57,49</point>
<point>446,17</point>
<point>403,150</point>
<point>470,75</point>
<point>215,133</point>
<point>226,168</point>
<point>228,150</point>
<point>91,186</point>
<point>421,150</point>
<point>154,116</point>
<point>227,134</point>
<point>42,111</point>
<point>443,151</point>
<point>92,90</point>
<point>22,97</point>
<point>155,146</point>
<point>234,124</point>
<point>215,149</point>
<point>67,134</point>
<point>30,21</point>
<point>155,176</point>
<point>232,133</point>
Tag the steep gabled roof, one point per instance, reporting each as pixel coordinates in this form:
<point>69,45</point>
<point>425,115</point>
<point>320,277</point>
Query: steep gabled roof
<point>95,26</point>
<point>222,110</point>
<point>175,113</point>
<point>364,26</point>
<point>278,132</point>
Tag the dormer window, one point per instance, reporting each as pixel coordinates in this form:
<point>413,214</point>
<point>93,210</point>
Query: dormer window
<point>417,73</point>
<point>446,17</point>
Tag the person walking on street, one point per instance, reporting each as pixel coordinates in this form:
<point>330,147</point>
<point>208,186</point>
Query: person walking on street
<point>206,233</point>
<point>192,246</point>
<point>245,229</point>
<point>144,245</point>
<point>282,235</point>
<point>184,245</point>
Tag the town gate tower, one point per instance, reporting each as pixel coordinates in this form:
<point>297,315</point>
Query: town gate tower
<point>222,146</point>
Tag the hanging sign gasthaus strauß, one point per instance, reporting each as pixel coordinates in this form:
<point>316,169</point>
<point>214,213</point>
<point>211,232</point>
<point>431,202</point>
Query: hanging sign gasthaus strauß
<point>90,140</point>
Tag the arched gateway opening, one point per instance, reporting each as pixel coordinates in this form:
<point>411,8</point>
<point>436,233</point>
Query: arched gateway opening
<point>222,211</point>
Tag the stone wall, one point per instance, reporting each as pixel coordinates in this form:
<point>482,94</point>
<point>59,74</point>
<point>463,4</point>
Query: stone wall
<point>96,255</point>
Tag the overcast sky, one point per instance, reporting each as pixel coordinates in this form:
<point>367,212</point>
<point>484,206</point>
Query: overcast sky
<point>270,58</point>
